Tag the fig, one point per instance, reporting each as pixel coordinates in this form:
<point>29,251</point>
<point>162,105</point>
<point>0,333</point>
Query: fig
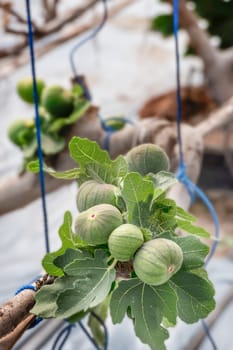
<point>92,193</point>
<point>157,261</point>
<point>147,158</point>
<point>57,101</point>
<point>124,241</point>
<point>95,224</point>
<point>25,89</point>
<point>21,132</point>
<point>115,123</point>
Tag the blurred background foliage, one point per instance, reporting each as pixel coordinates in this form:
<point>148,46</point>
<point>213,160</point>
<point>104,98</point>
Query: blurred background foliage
<point>217,13</point>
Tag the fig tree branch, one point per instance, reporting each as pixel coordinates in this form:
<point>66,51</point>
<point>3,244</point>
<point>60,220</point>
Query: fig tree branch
<point>40,31</point>
<point>63,36</point>
<point>18,191</point>
<point>217,63</point>
<point>15,315</point>
<point>7,7</point>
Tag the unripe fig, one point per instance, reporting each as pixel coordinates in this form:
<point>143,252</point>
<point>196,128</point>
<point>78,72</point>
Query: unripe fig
<point>92,193</point>
<point>21,132</point>
<point>57,101</point>
<point>115,123</point>
<point>95,224</point>
<point>124,241</point>
<point>147,158</point>
<point>157,261</point>
<point>25,89</point>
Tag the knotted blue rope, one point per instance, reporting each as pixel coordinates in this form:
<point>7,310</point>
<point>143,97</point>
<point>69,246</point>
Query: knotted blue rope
<point>181,172</point>
<point>37,122</point>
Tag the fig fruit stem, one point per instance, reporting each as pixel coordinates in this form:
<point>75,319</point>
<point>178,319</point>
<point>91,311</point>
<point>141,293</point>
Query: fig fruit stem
<point>113,264</point>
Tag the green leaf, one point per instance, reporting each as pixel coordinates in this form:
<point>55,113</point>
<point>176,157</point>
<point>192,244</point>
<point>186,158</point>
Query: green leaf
<point>70,255</point>
<point>148,305</point>
<point>71,174</point>
<point>87,282</point>
<point>46,297</point>
<point>84,151</point>
<point>180,212</point>
<point>97,330</point>
<point>162,216</point>
<point>100,172</point>
<point>77,91</point>
<point>30,150</point>
<point>195,230</point>
<point>107,173</point>
<point>93,283</point>
<point>163,24</point>
<point>65,233</point>
<point>51,145</point>
<point>194,251</point>
<point>137,193</point>
<point>80,108</point>
<point>195,295</point>
<point>119,167</point>
<point>163,180</point>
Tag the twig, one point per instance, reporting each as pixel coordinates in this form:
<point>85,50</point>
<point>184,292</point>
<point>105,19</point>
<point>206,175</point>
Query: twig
<point>7,67</point>
<point>217,63</point>
<point>222,116</point>
<point>7,7</point>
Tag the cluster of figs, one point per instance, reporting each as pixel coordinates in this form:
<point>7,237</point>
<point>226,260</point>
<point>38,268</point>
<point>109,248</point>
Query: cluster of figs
<point>102,222</point>
<point>54,102</point>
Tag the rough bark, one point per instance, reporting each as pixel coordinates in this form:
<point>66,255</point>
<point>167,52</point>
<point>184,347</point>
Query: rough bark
<point>218,65</point>
<point>15,315</point>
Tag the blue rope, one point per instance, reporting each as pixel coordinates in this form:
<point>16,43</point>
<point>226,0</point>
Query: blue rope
<point>109,130</point>
<point>65,333</point>
<point>99,319</point>
<point>37,121</point>
<point>92,340</point>
<point>87,38</point>
<point>37,320</point>
<point>207,331</point>
<point>181,173</point>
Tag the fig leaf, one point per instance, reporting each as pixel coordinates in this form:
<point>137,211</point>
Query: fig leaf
<point>148,306</point>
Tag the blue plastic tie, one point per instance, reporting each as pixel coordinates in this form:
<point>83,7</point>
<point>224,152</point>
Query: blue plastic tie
<point>37,121</point>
